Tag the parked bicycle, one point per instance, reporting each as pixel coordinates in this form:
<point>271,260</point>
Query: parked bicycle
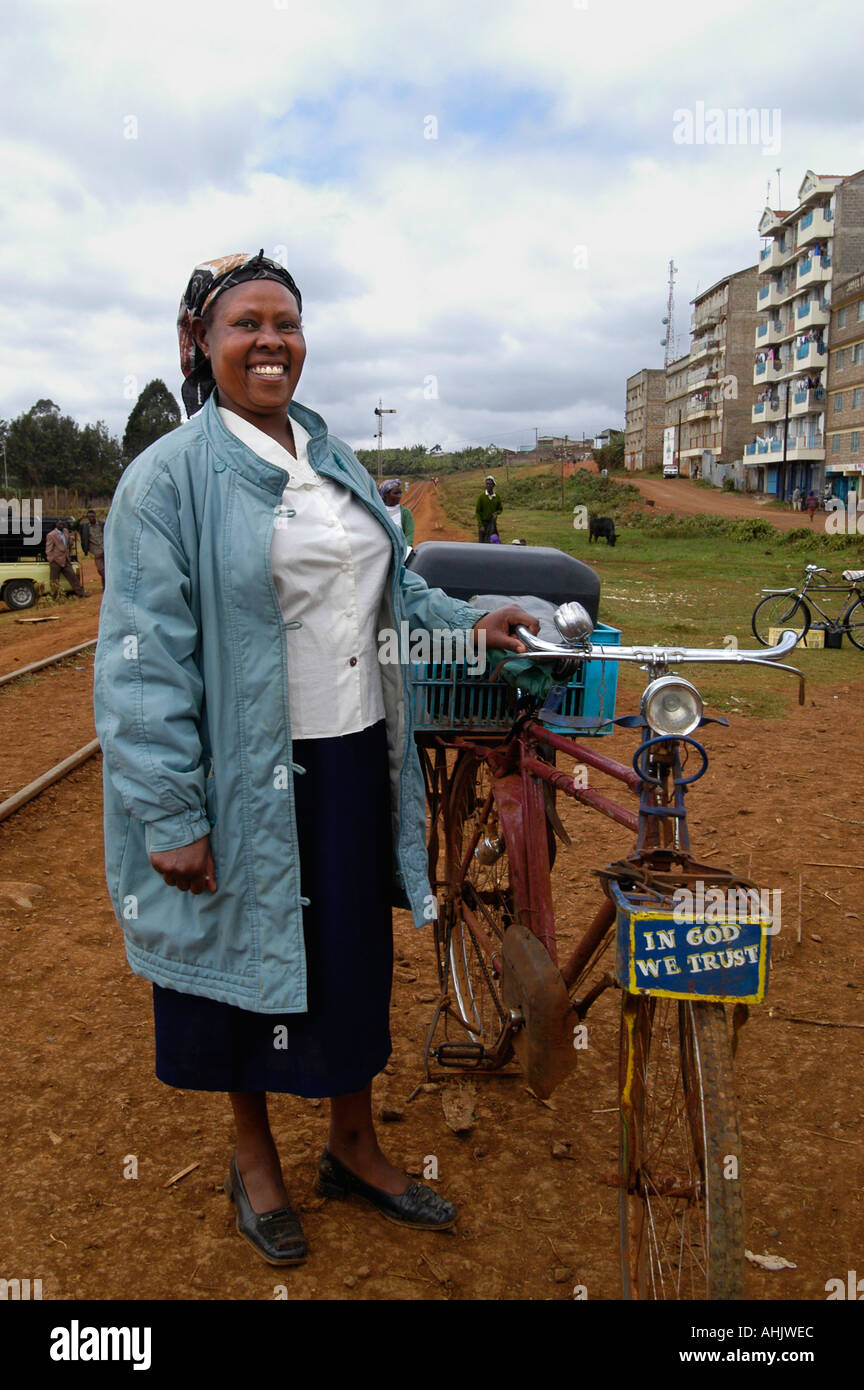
<point>491,781</point>
<point>792,608</point>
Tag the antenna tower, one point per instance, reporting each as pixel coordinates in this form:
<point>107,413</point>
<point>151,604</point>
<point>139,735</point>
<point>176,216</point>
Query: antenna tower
<point>669,343</point>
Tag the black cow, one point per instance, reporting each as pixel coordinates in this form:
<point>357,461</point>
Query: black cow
<point>601,526</point>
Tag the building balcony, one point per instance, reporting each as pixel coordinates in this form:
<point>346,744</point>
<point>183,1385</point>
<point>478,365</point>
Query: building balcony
<point>810,356</point>
<point>814,225</point>
<point>777,254</point>
<point>705,319</point>
<point>703,347</point>
<point>805,448</point>
<point>804,402</point>
<point>813,313</point>
<point>702,376</point>
<point>771,447</point>
<point>702,411</point>
<point>775,330</point>
<point>766,372</point>
<point>815,270</point>
<point>770,295</point>
<point>763,411</point>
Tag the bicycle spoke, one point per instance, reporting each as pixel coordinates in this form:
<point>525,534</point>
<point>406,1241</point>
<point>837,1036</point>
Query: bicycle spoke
<point>680,1217</point>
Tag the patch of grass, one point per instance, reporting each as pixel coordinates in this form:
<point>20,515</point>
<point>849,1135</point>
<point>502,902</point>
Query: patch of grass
<point>695,589</point>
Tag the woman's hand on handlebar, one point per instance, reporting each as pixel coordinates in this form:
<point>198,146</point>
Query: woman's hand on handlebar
<point>497,627</point>
<point>189,868</point>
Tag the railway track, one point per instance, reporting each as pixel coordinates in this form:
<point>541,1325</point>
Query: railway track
<point>66,765</point>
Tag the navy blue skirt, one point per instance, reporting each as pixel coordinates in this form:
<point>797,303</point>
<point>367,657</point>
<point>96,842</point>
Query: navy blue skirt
<point>345,839</point>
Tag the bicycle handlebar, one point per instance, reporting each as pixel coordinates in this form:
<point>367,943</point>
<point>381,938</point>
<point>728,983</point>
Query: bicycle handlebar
<point>657,656</point>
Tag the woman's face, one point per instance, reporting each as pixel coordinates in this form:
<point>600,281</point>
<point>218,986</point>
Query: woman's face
<point>255,344</point>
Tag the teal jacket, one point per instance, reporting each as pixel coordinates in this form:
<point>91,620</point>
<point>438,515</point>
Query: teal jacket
<point>192,714</point>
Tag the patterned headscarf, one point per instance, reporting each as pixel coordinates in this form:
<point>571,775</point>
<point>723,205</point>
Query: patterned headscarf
<point>389,486</point>
<point>208,280</point>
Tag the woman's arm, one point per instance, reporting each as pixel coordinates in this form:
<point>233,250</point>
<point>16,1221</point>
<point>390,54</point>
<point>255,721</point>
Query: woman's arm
<point>148,687</point>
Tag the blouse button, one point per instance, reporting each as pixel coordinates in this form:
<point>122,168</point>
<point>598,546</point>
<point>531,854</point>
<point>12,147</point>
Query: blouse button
<point>353,661</point>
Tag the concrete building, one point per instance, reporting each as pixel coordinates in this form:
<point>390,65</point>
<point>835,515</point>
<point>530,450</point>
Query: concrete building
<point>643,428</point>
<point>720,379</point>
<point>804,250</point>
<point>675,410</point>
<point>844,420</point>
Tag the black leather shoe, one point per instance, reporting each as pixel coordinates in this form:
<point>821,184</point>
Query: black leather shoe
<point>418,1206</point>
<point>277,1236</point>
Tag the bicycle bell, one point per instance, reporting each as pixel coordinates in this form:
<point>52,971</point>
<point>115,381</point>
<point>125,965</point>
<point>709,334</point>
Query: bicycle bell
<point>573,622</point>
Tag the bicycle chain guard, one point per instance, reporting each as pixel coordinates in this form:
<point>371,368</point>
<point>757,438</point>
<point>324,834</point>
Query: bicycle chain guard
<point>533,986</point>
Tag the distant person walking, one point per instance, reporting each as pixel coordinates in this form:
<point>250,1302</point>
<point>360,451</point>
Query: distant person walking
<point>57,555</point>
<point>811,504</point>
<point>93,542</point>
<point>796,500</point>
<point>488,506</point>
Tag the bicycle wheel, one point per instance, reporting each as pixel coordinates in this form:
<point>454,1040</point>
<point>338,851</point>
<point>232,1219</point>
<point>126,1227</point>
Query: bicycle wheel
<point>779,610</point>
<point>481,881</point>
<point>854,628</point>
<point>681,1212</point>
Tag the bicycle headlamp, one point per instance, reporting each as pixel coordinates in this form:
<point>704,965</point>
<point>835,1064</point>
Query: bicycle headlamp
<point>672,706</point>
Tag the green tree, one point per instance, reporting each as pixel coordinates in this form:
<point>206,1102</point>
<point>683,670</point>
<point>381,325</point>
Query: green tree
<point>611,454</point>
<point>100,460</point>
<point>42,447</point>
<point>155,413</point>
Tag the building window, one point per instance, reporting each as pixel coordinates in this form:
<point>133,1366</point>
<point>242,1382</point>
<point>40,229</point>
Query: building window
<point>841,360</point>
<point>841,318</point>
<point>858,355</point>
<point>860,310</point>
<point>835,444</point>
<point>855,440</point>
<point>856,398</point>
<point>838,402</point>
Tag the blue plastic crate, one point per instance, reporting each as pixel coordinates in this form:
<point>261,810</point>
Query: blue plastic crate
<point>447,699</point>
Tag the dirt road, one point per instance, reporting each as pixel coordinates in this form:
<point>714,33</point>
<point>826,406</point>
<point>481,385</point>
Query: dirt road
<point>684,498</point>
<point>430,522</point>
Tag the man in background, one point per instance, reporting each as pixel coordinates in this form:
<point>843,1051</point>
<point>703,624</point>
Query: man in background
<point>57,555</point>
<point>93,542</point>
<point>488,506</point>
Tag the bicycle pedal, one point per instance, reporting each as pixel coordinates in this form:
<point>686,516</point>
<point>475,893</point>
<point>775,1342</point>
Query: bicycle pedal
<point>459,1054</point>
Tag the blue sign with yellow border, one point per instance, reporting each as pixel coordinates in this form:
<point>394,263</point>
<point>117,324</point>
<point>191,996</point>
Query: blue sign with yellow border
<point>676,954</point>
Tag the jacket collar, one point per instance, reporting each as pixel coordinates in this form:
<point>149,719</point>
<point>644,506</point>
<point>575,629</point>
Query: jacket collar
<point>231,452</point>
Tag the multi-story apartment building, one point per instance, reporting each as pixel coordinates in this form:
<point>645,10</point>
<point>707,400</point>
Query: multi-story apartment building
<point>678,394</point>
<point>720,381</point>
<point>643,436</point>
<point>844,421</point>
<point>804,251</point>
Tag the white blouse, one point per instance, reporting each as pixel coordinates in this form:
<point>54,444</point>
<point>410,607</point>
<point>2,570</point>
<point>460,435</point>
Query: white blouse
<point>330,560</point>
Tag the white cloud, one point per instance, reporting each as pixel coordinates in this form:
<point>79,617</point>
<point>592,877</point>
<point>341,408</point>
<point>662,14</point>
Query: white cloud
<point>303,126</point>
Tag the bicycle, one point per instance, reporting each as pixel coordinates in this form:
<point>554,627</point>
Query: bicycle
<point>791,608</point>
<point>490,783</point>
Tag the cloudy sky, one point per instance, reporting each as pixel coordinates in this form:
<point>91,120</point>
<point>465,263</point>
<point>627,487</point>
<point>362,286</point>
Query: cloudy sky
<point>478,198</point>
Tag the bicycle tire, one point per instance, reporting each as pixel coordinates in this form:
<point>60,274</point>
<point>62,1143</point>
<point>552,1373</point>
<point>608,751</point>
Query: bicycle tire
<point>855,632</point>
<point>487,891</point>
<point>681,1208</point>
<point>780,610</point>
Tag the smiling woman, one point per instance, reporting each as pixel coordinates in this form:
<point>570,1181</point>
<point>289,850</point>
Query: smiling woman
<point>253,340</point>
<point>263,795</point>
